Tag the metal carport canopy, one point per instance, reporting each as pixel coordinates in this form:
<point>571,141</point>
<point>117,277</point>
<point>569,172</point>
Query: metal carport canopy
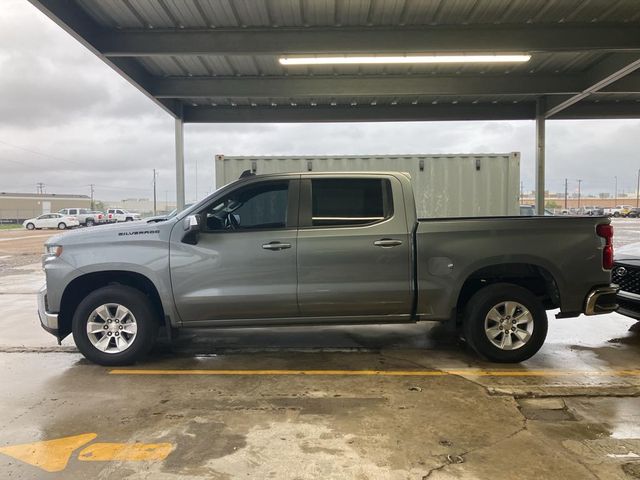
<point>217,60</point>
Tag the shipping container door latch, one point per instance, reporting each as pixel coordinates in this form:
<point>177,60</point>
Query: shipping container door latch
<point>477,164</point>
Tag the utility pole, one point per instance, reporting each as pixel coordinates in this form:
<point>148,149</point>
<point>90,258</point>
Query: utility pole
<point>166,201</point>
<point>154,192</point>
<point>566,192</point>
<point>196,179</point>
<point>615,192</point>
<point>579,184</point>
<point>40,187</point>
<point>92,204</point>
<point>638,190</point>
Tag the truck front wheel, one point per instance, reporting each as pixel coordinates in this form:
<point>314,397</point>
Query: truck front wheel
<point>115,325</point>
<point>505,323</point>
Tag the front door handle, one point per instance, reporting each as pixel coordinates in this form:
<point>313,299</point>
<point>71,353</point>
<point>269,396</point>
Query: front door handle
<point>276,246</point>
<point>387,242</point>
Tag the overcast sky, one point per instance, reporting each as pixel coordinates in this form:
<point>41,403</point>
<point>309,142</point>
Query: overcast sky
<point>68,120</point>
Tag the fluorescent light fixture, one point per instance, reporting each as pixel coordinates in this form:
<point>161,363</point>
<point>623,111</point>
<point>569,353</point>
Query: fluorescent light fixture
<point>390,59</point>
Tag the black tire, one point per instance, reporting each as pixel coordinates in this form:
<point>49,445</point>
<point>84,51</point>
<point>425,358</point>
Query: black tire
<point>30,226</point>
<point>128,219</point>
<point>62,226</point>
<point>479,307</point>
<point>89,223</point>
<point>139,305</point>
<point>616,214</point>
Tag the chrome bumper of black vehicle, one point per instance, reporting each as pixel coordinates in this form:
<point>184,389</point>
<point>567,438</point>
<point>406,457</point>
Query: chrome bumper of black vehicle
<point>629,304</point>
<point>601,299</point>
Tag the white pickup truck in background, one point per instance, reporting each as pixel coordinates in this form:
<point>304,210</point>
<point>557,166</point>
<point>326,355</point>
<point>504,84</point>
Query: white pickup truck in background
<point>121,215</point>
<point>618,211</point>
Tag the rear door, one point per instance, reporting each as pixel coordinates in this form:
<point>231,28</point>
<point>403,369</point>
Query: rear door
<point>354,250</point>
<point>244,263</point>
<point>51,220</point>
<point>41,221</point>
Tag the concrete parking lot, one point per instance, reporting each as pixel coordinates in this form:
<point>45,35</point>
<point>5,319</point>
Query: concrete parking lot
<point>374,402</point>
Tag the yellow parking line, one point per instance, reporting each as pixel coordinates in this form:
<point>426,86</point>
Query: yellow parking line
<point>386,373</point>
<point>125,452</point>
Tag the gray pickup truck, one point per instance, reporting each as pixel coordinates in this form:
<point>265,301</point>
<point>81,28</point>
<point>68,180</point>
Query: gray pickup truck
<point>319,249</point>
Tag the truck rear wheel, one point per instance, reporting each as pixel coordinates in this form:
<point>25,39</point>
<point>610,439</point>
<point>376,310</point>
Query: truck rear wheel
<point>505,323</point>
<point>115,325</point>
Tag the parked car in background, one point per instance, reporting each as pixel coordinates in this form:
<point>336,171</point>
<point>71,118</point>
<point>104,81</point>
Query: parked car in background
<point>321,249</point>
<point>618,211</point>
<point>530,211</point>
<point>626,274</point>
<point>634,212</point>
<point>85,216</point>
<point>527,210</point>
<point>593,211</point>
<point>51,220</point>
<point>121,215</point>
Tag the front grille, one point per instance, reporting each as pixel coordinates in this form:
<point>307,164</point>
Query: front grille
<point>630,281</point>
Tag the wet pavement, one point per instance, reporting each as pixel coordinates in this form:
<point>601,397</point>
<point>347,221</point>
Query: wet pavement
<point>375,402</point>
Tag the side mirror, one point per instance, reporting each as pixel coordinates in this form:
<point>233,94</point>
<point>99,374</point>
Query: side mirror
<point>191,226</point>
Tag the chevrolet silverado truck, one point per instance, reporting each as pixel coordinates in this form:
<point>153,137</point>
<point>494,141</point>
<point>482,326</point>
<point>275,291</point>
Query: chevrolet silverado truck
<point>320,249</point>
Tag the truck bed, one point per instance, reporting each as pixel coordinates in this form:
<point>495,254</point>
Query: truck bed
<point>451,250</point>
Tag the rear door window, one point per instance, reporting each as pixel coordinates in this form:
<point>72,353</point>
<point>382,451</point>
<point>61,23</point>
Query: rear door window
<point>338,202</point>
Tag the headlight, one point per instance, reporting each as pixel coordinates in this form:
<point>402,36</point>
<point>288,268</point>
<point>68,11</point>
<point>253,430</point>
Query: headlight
<point>53,250</point>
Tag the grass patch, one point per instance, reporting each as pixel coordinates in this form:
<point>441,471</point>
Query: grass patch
<point>9,226</point>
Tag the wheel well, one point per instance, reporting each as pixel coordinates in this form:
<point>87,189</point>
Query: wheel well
<point>80,287</point>
<point>534,278</point>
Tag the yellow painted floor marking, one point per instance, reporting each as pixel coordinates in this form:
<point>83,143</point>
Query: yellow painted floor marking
<point>125,452</point>
<point>50,455</point>
<point>387,373</point>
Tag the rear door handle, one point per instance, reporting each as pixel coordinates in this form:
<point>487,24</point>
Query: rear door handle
<point>276,246</point>
<point>387,242</point>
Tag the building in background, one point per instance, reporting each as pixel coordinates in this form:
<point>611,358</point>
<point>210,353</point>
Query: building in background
<point>17,207</point>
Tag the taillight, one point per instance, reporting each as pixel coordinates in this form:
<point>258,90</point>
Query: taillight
<point>606,232</point>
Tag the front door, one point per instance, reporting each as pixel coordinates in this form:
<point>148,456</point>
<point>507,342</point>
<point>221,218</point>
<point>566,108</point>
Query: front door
<point>244,263</point>
<point>354,250</point>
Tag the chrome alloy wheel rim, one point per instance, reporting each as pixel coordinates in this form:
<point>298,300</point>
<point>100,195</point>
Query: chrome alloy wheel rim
<point>112,328</point>
<point>508,325</point>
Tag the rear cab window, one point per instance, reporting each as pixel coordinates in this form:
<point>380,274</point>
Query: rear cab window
<point>344,202</point>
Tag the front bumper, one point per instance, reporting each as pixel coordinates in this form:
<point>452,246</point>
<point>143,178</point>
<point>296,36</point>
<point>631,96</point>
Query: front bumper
<point>601,299</point>
<point>49,321</point>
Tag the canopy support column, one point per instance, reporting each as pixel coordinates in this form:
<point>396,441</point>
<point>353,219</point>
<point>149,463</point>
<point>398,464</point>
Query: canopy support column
<point>540,167</point>
<point>179,164</point>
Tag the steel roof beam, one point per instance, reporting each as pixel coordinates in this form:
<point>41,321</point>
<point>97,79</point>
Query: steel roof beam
<point>363,86</point>
<point>291,87</point>
<point>402,113</point>
<point>383,113</point>
<point>603,75</point>
<point>281,41</point>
